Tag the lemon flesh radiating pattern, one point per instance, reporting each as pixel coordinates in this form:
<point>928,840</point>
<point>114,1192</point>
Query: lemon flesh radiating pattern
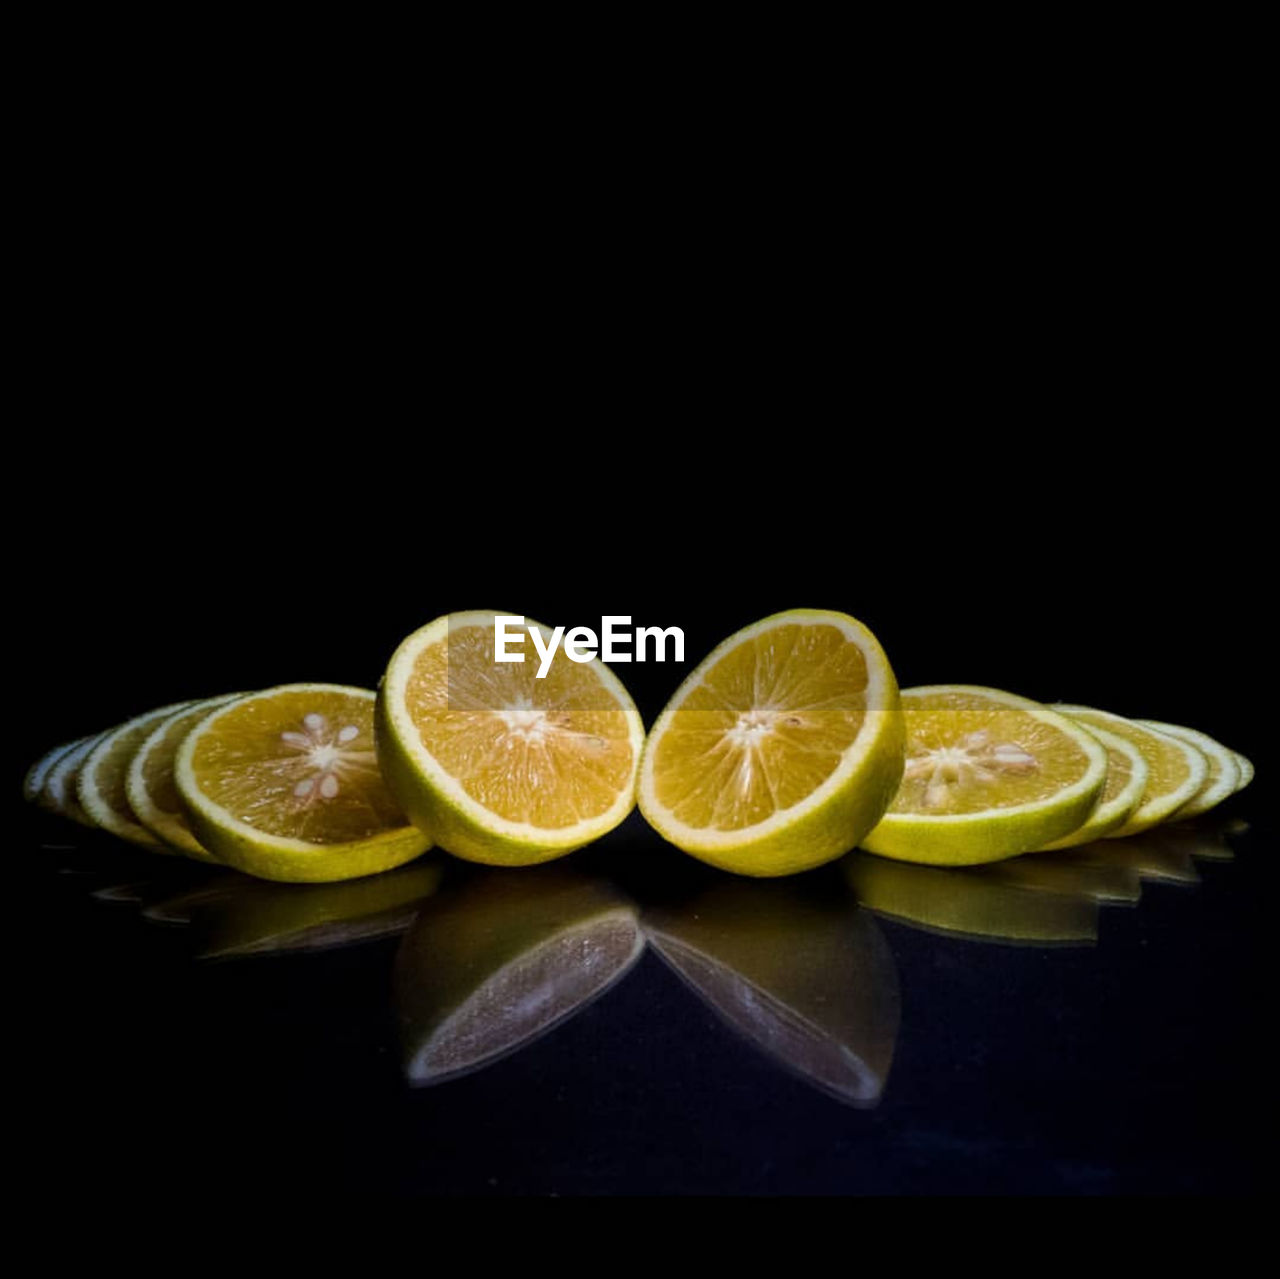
<point>767,725</point>
<point>297,765</point>
<point>967,754</point>
<point>547,753</point>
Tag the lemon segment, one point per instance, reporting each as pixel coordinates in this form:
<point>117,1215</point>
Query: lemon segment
<point>150,787</point>
<point>780,750</point>
<point>1224,769</point>
<point>499,765</point>
<point>1177,770</point>
<point>101,786</point>
<point>1127,774</point>
<point>989,775</point>
<point>284,784</point>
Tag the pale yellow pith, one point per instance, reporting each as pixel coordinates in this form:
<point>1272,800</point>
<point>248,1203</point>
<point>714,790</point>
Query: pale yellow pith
<point>967,754</point>
<point>547,753</point>
<point>765,727</point>
<point>297,764</point>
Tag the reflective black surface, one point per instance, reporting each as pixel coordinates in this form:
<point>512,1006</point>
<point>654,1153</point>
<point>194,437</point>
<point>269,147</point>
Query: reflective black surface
<point>628,1021</point>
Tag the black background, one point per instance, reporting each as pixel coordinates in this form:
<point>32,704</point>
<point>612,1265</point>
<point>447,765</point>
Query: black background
<point>1026,464</point>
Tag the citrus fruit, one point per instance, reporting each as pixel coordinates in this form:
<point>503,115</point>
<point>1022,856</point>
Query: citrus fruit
<point>989,775</point>
<point>101,785</point>
<point>1246,770</point>
<point>1176,770</point>
<point>284,784</point>
<point>780,750</point>
<point>1127,774</point>
<point>1224,769</point>
<point>58,794</point>
<point>497,959</point>
<point>971,904</point>
<point>33,782</point>
<point>149,784</point>
<point>499,765</point>
<point>804,973</point>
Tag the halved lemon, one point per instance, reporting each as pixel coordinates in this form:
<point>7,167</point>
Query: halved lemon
<point>1122,792</point>
<point>58,794</point>
<point>1224,769</point>
<point>780,750</point>
<point>101,785</point>
<point>284,784</point>
<point>149,785</point>
<point>499,765</point>
<point>989,775</point>
<point>1176,769</point>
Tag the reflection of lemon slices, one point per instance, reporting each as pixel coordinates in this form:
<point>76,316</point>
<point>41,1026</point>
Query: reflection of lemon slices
<point>152,792</point>
<point>1224,769</point>
<point>798,969</point>
<point>499,765</point>
<point>989,775</point>
<point>971,904</point>
<point>499,958</point>
<point>1122,792</point>
<point>781,750</point>
<point>102,784</point>
<point>1176,769</point>
<point>284,784</point>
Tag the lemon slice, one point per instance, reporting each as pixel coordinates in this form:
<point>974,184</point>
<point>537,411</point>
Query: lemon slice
<point>499,765</point>
<point>149,785</point>
<point>1177,769</point>
<point>33,782</point>
<point>284,784</point>
<point>1122,792</point>
<point>989,775</point>
<point>58,793</point>
<point>1224,769</point>
<point>780,750</point>
<point>1246,770</point>
<point>101,784</point>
